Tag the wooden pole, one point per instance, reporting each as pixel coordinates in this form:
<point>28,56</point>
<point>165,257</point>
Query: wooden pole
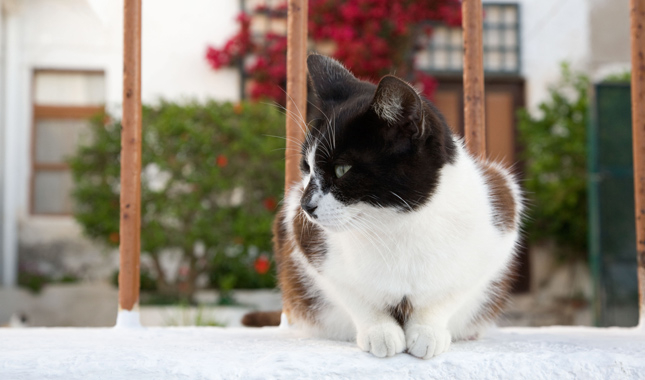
<point>296,87</point>
<point>474,101</point>
<point>638,130</point>
<point>130,223</point>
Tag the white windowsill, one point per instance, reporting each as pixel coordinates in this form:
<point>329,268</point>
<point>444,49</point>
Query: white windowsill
<point>226,353</point>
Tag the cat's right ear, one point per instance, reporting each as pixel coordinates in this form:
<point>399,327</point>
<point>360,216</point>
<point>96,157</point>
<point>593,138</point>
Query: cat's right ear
<point>330,80</point>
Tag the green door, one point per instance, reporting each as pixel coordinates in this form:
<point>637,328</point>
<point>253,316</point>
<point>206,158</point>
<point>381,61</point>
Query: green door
<point>612,235</point>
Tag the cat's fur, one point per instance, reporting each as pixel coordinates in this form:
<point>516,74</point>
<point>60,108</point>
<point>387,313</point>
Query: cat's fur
<point>412,247</point>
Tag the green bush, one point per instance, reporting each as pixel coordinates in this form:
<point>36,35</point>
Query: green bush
<point>556,168</point>
<point>210,180</point>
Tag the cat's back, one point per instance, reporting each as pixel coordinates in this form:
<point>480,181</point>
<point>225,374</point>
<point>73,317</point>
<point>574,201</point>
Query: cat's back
<point>475,197</point>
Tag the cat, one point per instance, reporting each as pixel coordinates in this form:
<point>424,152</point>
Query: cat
<point>396,237</point>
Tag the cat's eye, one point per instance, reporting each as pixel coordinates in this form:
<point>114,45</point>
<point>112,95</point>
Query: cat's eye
<point>341,170</point>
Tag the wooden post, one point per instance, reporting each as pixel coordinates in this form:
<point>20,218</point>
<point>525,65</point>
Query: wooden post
<point>638,130</point>
<point>474,101</point>
<point>296,87</point>
<point>130,223</point>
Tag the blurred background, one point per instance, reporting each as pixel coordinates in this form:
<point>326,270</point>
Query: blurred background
<point>557,111</point>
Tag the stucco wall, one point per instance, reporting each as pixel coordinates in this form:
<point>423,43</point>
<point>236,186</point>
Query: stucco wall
<point>87,34</point>
<point>553,31</point>
<point>610,37</point>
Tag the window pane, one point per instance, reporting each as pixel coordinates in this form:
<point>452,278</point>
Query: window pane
<point>492,38</point>
<point>56,139</point>
<point>492,15</point>
<point>511,61</point>
<point>440,36</point>
<point>441,59</point>
<point>52,192</point>
<point>69,89</point>
<point>510,15</point>
<point>494,62</point>
<point>510,38</point>
<point>457,59</point>
<point>423,59</point>
<point>456,39</point>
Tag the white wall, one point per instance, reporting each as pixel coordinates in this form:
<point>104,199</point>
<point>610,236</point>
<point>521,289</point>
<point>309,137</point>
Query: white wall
<point>11,132</point>
<point>2,90</point>
<point>552,31</point>
<point>88,34</point>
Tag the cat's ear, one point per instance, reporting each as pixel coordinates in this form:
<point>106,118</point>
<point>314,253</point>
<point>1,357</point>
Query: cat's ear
<point>399,106</point>
<point>330,80</point>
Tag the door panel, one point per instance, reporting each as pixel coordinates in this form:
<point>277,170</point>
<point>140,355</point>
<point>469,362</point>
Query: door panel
<point>500,127</point>
<point>449,103</point>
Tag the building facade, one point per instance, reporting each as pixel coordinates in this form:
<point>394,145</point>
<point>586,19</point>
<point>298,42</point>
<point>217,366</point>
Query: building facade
<point>61,59</point>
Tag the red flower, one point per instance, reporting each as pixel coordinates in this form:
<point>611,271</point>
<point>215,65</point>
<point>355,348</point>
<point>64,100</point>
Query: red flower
<point>262,264</point>
<point>114,237</point>
<point>269,203</point>
<point>369,38</point>
<point>238,108</point>
<point>221,161</point>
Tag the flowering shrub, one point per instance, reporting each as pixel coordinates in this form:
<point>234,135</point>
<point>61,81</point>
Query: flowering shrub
<point>371,37</point>
<point>211,177</point>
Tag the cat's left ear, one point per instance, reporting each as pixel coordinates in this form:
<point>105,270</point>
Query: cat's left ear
<point>399,105</point>
<point>330,80</point>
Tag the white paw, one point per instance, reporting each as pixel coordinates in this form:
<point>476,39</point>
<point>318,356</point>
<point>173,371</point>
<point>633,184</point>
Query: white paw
<point>385,339</point>
<point>426,342</point>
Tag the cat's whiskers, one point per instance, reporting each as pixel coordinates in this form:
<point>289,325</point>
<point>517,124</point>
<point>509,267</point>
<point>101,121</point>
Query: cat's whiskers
<point>402,200</point>
<point>370,225</point>
<point>357,226</point>
<point>298,119</point>
<point>333,129</point>
<point>376,225</point>
<point>297,109</point>
<point>321,111</point>
<point>287,138</point>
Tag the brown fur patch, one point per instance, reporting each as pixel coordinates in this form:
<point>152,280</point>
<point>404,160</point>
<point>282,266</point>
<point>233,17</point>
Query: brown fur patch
<point>502,197</point>
<point>297,299</point>
<point>309,238</point>
<point>402,311</point>
<point>261,318</point>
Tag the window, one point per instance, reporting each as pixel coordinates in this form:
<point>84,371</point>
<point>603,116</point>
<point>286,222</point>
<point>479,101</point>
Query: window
<point>442,52</point>
<point>64,101</point>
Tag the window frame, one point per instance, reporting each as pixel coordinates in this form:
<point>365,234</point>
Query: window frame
<point>486,49</point>
<point>49,111</point>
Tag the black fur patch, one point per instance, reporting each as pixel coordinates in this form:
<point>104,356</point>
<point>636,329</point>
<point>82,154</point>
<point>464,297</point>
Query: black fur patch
<point>395,161</point>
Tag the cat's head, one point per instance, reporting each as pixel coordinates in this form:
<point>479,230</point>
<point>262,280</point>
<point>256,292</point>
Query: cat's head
<point>369,148</point>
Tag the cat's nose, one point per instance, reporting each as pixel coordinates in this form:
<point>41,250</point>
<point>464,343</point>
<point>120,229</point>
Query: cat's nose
<point>309,208</point>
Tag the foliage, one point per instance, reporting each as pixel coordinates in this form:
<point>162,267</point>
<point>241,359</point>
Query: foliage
<point>36,281</point>
<point>556,168</point>
<point>622,77</point>
<point>371,37</point>
<point>210,179</point>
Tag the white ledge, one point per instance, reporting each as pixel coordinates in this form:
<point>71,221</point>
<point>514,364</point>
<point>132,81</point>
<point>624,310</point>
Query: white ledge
<point>238,353</point>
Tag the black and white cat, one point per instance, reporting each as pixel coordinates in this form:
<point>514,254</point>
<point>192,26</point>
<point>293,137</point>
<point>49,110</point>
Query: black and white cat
<point>396,237</point>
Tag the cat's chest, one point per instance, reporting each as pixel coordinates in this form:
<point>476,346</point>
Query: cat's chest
<point>391,264</point>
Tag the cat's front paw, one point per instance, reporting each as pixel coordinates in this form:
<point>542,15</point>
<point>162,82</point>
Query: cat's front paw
<point>426,342</point>
<point>385,339</point>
